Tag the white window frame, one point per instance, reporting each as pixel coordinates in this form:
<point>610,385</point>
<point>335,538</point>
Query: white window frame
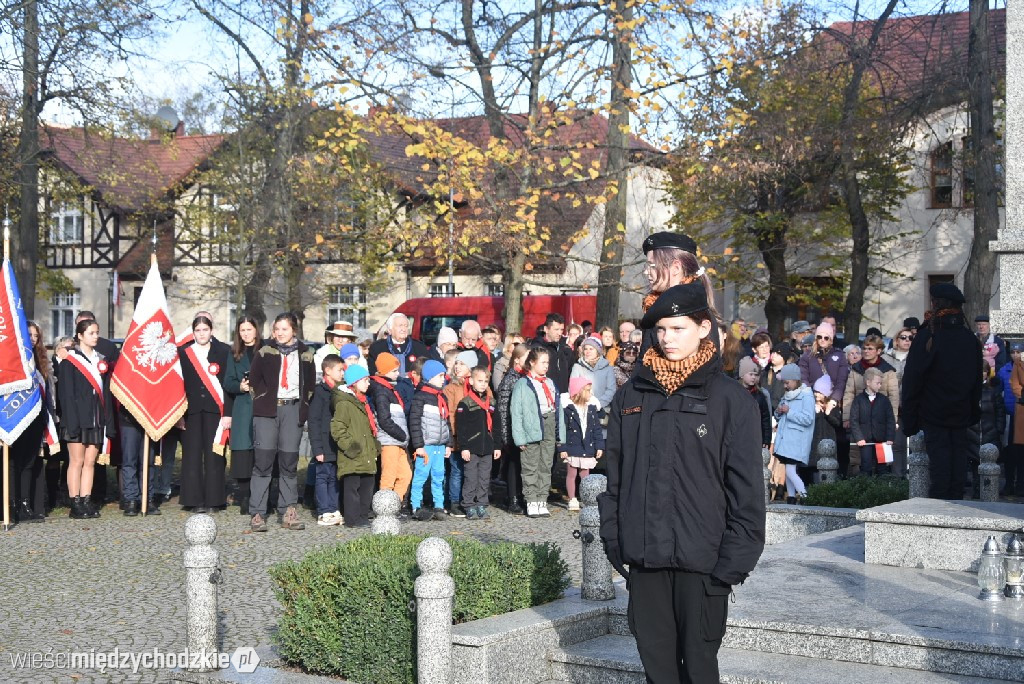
<point>347,303</point>
<point>58,232</point>
<point>441,290</point>
<point>64,307</point>
<point>495,289</point>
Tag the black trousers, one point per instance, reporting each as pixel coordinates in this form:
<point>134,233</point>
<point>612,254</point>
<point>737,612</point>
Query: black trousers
<point>947,460</point>
<point>843,452</point>
<point>678,619</point>
<point>28,479</point>
<point>510,457</point>
<point>202,470</point>
<point>357,495</point>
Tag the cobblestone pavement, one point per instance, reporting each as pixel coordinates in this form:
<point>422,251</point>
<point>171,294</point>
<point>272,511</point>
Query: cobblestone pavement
<point>78,585</point>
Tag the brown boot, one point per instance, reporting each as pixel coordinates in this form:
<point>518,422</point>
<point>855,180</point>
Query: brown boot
<point>291,520</point>
<point>258,524</point>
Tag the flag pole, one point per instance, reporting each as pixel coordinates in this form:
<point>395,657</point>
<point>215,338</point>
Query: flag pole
<point>7,447</point>
<point>145,474</point>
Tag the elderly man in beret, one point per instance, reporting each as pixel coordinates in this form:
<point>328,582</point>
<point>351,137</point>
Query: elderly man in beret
<point>684,508</point>
<point>942,383</point>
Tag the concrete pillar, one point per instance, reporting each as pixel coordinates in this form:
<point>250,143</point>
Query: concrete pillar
<point>597,571</point>
<point>988,473</point>
<point>386,505</point>
<point>828,466</point>
<point>435,602</point>
<point>920,476</point>
<point>1008,319</point>
<point>201,579</point>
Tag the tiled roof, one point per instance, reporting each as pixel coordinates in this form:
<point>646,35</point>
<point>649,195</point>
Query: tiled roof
<point>132,175</point>
<point>556,213</point>
<point>925,56</point>
<point>134,264</point>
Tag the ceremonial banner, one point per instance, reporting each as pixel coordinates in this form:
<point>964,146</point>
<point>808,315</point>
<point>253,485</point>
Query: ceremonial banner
<point>17,411</point>
<point>147,378</point>
<point>17,365</point>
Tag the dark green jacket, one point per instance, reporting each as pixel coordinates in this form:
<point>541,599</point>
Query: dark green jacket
<point>358,449</point>
<point>241,409</point>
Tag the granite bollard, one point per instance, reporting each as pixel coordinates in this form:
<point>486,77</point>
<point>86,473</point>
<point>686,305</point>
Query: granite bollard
<point>386,505</point>
<point>597,570</point>
<point>920,477</point>
<point>828,466</point>
<point>766,457</point>
<point>988,473</point>
<point>435,603</point>
<point>201,579</point>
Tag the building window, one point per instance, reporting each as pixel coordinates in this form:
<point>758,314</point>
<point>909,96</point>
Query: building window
<point>347,303</point>
<point>441,290</point>
<point>495,290</point>
<point>942,176</point>
<point>66,226</point>
<point>63,309</point>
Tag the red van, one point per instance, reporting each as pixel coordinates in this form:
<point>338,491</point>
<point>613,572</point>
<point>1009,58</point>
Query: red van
<point>430,314</point>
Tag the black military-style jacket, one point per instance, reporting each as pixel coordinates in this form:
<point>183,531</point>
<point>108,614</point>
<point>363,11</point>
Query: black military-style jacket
<point>685,483</point>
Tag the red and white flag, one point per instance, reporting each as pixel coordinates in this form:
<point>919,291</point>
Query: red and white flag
<point>17,364</point>
<point>147,378</point>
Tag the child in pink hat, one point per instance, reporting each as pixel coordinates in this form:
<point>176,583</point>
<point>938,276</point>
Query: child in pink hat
<point>584,438</point>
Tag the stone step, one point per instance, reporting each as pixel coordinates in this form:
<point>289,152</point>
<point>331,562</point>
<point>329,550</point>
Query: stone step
<point>613,659</point>
<point>941,535</point>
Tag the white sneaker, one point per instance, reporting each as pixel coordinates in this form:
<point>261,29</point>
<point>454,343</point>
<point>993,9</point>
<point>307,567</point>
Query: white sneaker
<point>574,504</point>
<point>542,509</point>
<point>338,519</point>
<point>531,509</point>
<point>326,520</point>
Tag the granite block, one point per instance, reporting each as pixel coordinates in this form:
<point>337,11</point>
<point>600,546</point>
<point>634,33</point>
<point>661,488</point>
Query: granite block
<point>797,643</point>
<point>785,522</point>
<point>958,662</point>
<point>968,515</point>
<point>939,548</point>
<point>605,660</point>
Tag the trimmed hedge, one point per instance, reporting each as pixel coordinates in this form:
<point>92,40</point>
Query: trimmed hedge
<point>858,492</point>
<point>347,609</point>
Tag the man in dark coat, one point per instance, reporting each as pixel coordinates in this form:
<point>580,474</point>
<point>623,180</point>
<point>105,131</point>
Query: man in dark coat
<point>561,357</point>
<point>942,390</point>
<point>685,501</point>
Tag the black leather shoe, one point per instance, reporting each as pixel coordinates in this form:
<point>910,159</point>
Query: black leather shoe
<point>78,510</point>
<point>200,509</point>
<point>24,513</point>
<point>131,508</point>
<point>243,506</point>
<point>153,508</point>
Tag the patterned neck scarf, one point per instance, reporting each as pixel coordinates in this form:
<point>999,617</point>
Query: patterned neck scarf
<point>672,374</point>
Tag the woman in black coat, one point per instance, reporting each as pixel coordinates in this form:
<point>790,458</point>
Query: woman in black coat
<point>87,415</point>
<point>510,453</point>
<point>236,382</point>
<point>207,420</point>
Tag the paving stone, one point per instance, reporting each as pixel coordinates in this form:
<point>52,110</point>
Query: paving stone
<point>93,585</point>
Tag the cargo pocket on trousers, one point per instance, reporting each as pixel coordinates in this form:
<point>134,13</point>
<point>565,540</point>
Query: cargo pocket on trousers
<point>714,609</point>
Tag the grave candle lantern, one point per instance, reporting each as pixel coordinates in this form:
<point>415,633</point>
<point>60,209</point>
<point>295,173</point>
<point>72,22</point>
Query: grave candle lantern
<point>991,573</point>
<point>1014,562</point>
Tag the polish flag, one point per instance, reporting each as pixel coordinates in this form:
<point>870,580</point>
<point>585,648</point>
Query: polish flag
<point>147,378</point>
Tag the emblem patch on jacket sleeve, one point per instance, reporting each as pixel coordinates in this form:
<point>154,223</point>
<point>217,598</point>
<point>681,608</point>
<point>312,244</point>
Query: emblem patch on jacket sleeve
<point>632,409</point>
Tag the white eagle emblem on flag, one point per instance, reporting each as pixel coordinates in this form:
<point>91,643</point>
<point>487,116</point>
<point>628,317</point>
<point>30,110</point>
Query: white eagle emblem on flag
<point>155,346</point>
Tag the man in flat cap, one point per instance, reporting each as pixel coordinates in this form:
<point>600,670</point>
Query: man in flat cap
<point>983,328</point>
<point>684,508</point>
<point>942,383</point>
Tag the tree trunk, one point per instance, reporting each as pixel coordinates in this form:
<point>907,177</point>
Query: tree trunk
<point>982,264</point>
<point>512,280</point>
<point>25,240</point>
<point>609,273</point>
<point>859,227</point>
<point>771,241</point>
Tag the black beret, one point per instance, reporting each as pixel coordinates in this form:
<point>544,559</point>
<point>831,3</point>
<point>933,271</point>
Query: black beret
<point>783,349</point>
<point>680,300</point>
<point>947,291</point>
<point>666,239</point>
<point>983,318</point>
<point>874,331</point>
<point>911,322</point>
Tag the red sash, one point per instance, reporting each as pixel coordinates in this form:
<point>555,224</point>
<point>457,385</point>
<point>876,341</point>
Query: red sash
<point>442,403</point>
<point>212,383</point>
<point>51,438</point>
<point>386,383</point>
<point>486,406</point>
<point>92,374</point>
